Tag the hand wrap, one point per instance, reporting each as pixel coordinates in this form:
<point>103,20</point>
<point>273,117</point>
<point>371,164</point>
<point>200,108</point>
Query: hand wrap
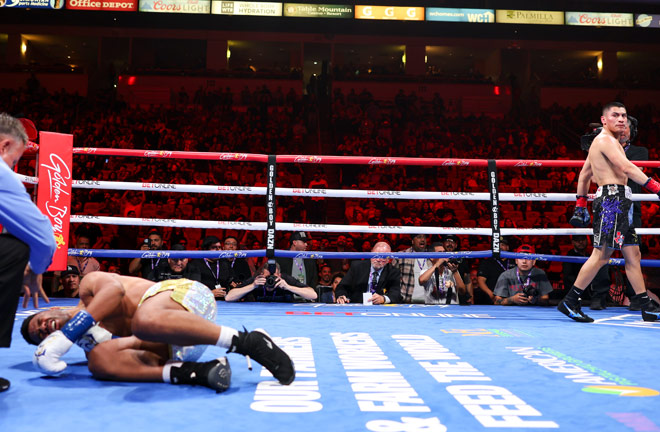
<point>47,356</point>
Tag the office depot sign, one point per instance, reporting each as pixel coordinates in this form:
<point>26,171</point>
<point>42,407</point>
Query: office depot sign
<point>103,5</point>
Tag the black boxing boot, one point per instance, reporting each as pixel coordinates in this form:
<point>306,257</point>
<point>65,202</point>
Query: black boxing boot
<point>259,346</point>
<point>4,385</point>
<point>650,309</point>
<point>214,374</point>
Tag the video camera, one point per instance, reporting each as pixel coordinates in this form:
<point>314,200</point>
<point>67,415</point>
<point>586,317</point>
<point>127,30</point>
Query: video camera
<point>587,139</point>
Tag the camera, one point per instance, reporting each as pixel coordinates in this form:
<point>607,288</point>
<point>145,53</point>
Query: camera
<point>531,291</point>
<point>455,261</point>
<point>147,242</point>
<point>271,280</point>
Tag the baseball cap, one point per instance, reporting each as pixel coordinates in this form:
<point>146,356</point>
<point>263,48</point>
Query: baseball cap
<point>525,249</point>
<point>450,237</point>
<point>299,235</point>
<point>505,240</point>
<point>70,270</point>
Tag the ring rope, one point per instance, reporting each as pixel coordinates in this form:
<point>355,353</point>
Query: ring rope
<point>336,193</point>
<point>106,253</point>
<point>349,160</point>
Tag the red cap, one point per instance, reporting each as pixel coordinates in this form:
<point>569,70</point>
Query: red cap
<point>525,249</point>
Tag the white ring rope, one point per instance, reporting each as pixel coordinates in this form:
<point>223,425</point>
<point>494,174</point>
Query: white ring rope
<point>27,179</point>
<point>375,229</point>
<point>336,193</point>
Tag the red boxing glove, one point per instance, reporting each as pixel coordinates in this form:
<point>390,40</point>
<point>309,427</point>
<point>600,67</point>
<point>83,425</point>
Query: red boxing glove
<point>582,200</point>
<point>652,186</point>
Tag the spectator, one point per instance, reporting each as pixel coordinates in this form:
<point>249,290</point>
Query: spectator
<point>175,268</point>
<point>70,281</point>
<point>523,284</point>
<point>374,282</point>
<point>209,268</point>
<point>452,243</point>
<point>143,266</point>
<point>442,282</point>
<point>265,287</point>
<point>325,280</point>
<point>412,290</point>
<point>330,296</point>
<point>489,271</point>
<point>84,264</point>
<point>303,270</point>
<point>233,271</point>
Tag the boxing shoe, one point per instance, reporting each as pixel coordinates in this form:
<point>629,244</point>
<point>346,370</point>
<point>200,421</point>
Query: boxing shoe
<point>652,312</point>
<point>574,312</point>
<point>214,374</point>
<point>258,345</point>
<point>4,385</point>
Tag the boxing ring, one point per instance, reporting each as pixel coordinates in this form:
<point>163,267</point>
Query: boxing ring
<point>387,368</point>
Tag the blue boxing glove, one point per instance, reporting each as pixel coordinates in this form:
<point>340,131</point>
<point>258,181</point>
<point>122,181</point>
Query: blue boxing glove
<point>581,217</point>
<point>47,357</point>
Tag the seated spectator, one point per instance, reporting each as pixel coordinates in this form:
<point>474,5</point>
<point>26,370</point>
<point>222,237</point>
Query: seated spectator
<point>304,270</point>
<point>233,271</point>
<point>267,287</point>
<point>84,264</point>
<point>442,282</point>
<point>143,266</point>
<point>70,282</point>
<point>523,284</point>
<point>330,296</point>
<point>209,268</point>
<point>175,268</point>
<point>325,280</point>
<point>374,281</point>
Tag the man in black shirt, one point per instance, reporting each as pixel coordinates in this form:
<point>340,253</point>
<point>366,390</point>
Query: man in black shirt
<point>271,288</point>
<point>489,270</point>
<point>209,268</point>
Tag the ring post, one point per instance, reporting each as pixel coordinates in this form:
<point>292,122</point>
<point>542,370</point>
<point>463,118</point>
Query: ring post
<point>495,207</point>
<point>271,175</point>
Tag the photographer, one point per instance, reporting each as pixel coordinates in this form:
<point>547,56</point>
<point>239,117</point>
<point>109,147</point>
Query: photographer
<point>267,287</point>
<point>442,282</point>
<point>143,266</point>
<point>523,284</point>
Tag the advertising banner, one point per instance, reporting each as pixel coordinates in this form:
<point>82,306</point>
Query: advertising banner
<point>54,190</point>
<point>103,5</point>
<point>308,10</point>
<point>644,20</point>
<point>33,4</point>
<point>176,6</point>
<point>599,19</point>
<point>399,13</point>
<point>509,16</point>
<point>460,15</point>
<point>246,8</point>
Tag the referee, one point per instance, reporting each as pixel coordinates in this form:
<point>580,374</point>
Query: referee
<point>27,235</point>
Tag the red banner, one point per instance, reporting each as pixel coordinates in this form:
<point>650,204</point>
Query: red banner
<point>54,190</point>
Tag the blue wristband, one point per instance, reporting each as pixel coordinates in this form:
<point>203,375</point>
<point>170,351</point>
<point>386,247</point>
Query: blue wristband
<point>78,325</point>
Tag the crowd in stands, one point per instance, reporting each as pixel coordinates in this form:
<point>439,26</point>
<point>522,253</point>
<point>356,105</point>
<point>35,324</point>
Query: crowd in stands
<point>285,122</point>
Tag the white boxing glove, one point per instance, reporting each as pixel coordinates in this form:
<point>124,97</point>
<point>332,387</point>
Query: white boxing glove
<point>94,336</point>
<point>47,356</point>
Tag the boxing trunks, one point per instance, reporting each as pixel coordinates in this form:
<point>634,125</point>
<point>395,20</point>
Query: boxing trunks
<point>196,298</point>
<point>613,217</point>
